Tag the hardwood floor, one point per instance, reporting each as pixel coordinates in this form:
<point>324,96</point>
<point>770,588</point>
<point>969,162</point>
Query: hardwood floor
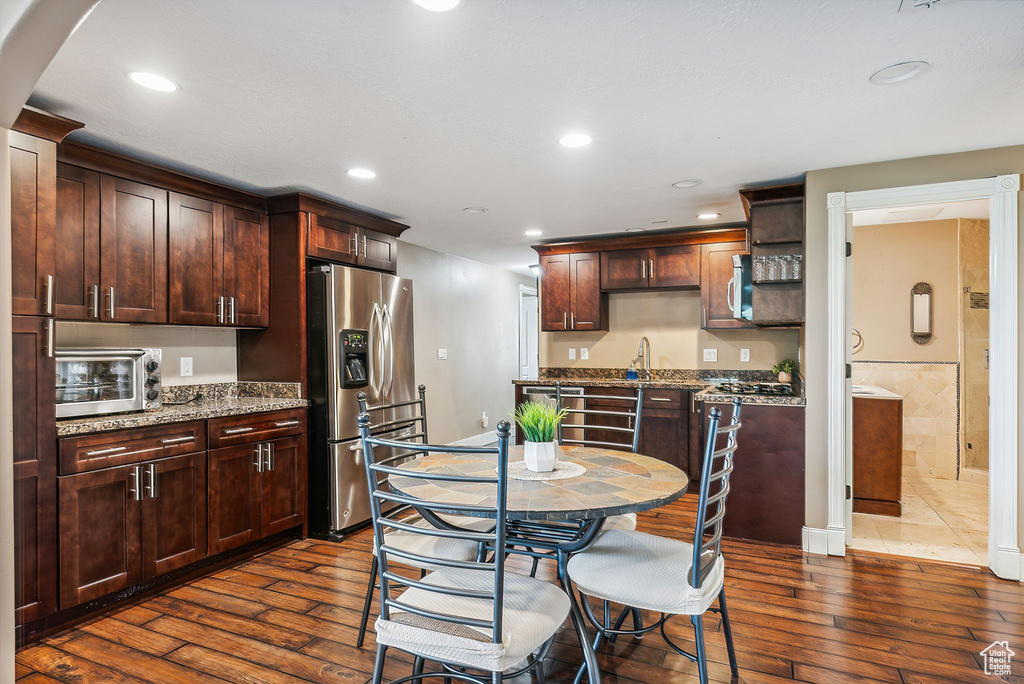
<point>292,614</point>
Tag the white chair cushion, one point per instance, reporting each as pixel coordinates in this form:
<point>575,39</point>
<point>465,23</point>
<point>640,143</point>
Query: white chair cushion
<point>435,547</point>
<point>644,571</point>
<point>533,611</point>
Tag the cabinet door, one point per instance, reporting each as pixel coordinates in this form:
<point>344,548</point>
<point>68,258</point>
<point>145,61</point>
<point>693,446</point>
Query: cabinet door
<point>195,259</point>
<point>133,251</point>
<point>675,266</point>
<point>877,455</point>
<point>100,533</point>
<point>377,250</point>
<point>78,243</point>
<point>715,282</point>
<point>247,267</point>
<point>33,216</point>
<point>233,502</point>
<point>35,472</point>
<point>696,440</point>
<point>625,269</point>
<point>331,239</point>
<point>663,435</point>
<point>173,513</point>
<point>284,485</point>
<point>554,292</point>
<point>585,303</point>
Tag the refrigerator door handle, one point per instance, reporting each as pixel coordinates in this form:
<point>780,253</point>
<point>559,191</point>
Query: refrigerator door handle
<point>390,343</point>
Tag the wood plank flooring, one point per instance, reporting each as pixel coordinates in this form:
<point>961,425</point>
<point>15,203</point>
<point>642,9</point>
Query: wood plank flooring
<point>291,615</point>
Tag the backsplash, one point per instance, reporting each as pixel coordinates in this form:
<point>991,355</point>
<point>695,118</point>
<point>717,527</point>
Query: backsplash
<point>681,374</point>
<point>177,394</point>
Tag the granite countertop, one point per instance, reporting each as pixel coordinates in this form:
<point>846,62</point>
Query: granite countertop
<point>218,400</point>
<point>701,380</point>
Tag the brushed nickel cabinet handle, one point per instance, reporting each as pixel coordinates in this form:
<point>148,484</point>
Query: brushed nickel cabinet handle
<point>95,308</point>
<point>49,337</point>
<point>149,485</point>
<point>364,246</point>
<point>572,319</point>
<point>220,309</point>
<point>565,325</point>
<point>110,294</point>
<point>178,440</point>
<point>287,423</point>
<point>238,430</point>
<point>234,318</point>
<point>133,487</point>
<point>643,269</point>
<point>652,268</point>
<point>101,452</point>
<point>259,458</point>
<point>49,295</point>
<point>270,446</point>
<point>355,244</point>
<point>665,399</point>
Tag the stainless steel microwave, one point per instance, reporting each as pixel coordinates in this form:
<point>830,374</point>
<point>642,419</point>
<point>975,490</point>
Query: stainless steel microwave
<point>92,382</point>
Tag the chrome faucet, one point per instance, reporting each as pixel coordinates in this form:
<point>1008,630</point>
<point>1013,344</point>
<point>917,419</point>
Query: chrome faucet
<point>646,356</point>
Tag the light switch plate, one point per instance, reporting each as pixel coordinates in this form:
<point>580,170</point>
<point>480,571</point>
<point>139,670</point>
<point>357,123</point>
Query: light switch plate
<point>572,353</point>
<point>745,355</point>
<point>584,353</point>
<point>442,354</point>
<point>186,366</point>
<point>711,355</point>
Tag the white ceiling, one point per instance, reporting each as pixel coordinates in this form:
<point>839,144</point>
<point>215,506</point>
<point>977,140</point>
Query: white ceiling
<point>968,209</point>
<point>465,108</point>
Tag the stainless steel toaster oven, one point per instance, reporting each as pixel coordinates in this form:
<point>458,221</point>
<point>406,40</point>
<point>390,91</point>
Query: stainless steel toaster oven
<point>98,381</point>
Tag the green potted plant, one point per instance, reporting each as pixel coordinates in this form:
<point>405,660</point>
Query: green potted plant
<point>539,422</point>
<point>785,369</point>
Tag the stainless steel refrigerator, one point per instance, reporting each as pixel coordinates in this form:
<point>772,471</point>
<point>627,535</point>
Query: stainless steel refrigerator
<point>360,340</point>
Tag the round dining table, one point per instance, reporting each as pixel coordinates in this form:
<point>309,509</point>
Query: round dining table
<point>611,483</point>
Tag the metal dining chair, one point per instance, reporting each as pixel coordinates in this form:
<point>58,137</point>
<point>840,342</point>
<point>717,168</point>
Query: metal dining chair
<point>412,431</point>
<point>470,616</point>
<point>672,577</point>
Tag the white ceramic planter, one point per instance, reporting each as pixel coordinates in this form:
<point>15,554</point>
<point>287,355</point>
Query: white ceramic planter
<point>785,377</point>
<point>539,456</point>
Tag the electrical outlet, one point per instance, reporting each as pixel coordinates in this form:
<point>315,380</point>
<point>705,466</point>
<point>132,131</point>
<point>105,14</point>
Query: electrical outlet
<point>584,353</point>
<point>186,366</point>
<point>485,421</point>
<point>572,353</point>
<point>711,355</point>
<point>442,354</point>
<point>745,355</point>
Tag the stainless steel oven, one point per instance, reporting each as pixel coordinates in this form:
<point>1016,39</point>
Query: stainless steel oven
<point>91,382</point>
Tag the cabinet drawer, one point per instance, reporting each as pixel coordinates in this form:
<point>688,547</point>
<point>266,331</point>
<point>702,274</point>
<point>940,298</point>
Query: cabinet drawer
<point>107,449</point>
<point>663,399</point>
<point>256,427</point>
<point>625,392</point>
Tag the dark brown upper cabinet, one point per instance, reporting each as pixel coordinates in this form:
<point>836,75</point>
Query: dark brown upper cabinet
<point>571,297</point>
<point>336,240</point>
<point>35,470</point>
<point>716,280</point>
<point>33,216</point>
<point>78,237</point>
<point>219,261</point>
<point>133,251</point>
<point>776,216</point>
<point>657,267</point>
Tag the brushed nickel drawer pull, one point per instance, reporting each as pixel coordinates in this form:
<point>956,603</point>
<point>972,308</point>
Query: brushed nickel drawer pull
<point>111,450</point>
<point>178,440</point>
<point>659,399</point>
<point>239,430</point>
<point>288,423</point>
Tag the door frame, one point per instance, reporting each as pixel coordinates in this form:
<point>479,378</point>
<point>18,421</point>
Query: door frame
<point>524,292</point>
<point>1004,195</point>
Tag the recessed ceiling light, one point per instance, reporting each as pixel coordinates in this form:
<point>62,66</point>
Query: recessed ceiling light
<point>362,173</point>
<point>898,72</point>
<point>437,5</point>
<point>533,232</point>
<point>691,183</point>
<point>708,215</point>
<point>475,210</point>
<point>153,81</point>
<point>575,140</point>
<point>635,230</point>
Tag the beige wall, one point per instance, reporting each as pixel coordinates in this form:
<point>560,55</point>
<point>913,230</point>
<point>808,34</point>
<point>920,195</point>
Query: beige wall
<point>671,320</point>
<point>887,261</point>
<point>888,174</point>
<point>472,310</point>
<point>974,252</point>
<point>212,349</point>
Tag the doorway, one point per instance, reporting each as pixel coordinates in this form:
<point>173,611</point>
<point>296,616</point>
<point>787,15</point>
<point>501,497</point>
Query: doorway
<point>1003,196</point>
<point>529,333</point>
<point>920,381</point>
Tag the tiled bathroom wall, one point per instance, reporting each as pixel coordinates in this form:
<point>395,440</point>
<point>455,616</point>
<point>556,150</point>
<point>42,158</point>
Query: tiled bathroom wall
<point>930,412</point>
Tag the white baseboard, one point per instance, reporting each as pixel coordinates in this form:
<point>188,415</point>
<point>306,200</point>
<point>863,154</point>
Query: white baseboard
<point>483,439</point>
<point>1009,563</point>
<point>814,540</point>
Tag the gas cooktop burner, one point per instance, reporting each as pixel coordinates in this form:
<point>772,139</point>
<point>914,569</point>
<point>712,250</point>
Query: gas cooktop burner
<point>765,388</point>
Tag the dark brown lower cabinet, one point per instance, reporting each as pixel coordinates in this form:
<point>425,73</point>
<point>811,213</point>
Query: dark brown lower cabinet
<point>256,490</point>
<point>119,526</point>
<point>663,435</point>
<point>877,456</point>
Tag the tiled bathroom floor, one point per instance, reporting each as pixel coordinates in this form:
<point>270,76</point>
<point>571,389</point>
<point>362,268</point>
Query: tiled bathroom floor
<point>942,520</point>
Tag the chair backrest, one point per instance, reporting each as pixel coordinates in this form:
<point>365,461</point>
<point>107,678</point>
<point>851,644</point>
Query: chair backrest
<point>495,538</point>
<point>714,488</point>
<point>630,407</point>
<point>398,429</point>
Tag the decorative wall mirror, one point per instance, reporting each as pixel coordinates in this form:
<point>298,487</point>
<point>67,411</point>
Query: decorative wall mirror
<point>921,313</point>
